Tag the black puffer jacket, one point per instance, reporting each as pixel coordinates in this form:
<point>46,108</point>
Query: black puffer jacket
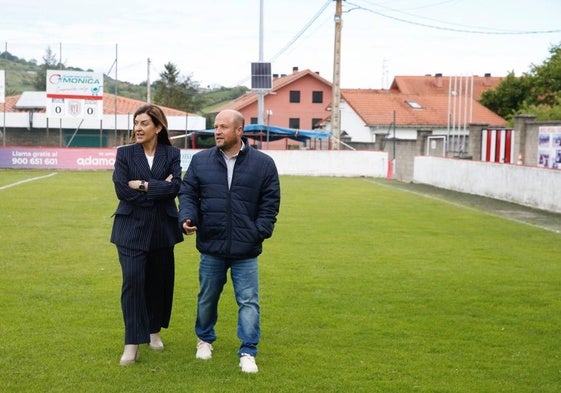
<point>230,223</point>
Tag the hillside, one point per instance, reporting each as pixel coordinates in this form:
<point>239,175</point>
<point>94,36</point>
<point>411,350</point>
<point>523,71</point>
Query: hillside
<point>21,74</point>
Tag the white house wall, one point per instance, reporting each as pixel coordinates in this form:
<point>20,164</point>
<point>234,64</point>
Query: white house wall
<point>354,126</point>
<point>124,122</point>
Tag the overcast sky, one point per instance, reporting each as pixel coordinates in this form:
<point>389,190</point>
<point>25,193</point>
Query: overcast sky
<point>215,41</point>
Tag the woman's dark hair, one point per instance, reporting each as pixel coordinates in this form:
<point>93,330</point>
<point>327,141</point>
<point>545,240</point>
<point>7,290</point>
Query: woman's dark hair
<point>158,118</point>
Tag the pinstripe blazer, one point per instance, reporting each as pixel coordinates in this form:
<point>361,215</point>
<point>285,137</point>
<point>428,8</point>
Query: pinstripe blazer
<point>146,220</point>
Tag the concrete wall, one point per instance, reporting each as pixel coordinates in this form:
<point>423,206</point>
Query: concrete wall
<point>288,162</point>
<point>339,163</point>
<point>530,186</point>
<point>330,163</point>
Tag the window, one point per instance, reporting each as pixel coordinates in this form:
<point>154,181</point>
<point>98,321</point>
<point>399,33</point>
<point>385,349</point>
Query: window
<point>294,122</point>
<point>316,123</point>
<point>253,120</point>
<point>414,104</point>
<point>317,97</point>
<point>294,95</point>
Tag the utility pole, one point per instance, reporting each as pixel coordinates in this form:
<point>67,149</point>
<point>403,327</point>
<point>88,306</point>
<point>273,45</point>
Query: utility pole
<point>336,87</point>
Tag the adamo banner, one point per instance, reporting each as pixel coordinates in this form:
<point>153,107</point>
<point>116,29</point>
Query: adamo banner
<point>68,158</point>
<point>56,158</point>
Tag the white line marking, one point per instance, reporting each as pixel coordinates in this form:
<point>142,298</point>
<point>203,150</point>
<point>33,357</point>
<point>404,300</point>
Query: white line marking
<point>27,180</point>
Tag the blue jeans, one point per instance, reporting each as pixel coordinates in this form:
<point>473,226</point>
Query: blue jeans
<point>212,277</point>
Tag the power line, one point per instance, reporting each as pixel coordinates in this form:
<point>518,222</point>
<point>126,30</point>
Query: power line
<point>302,31</point>
<point>295,38</point>
<point>457,30</point>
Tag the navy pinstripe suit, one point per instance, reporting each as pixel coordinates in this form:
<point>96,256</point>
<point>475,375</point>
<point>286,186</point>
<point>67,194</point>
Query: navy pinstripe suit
<point>145,230</point>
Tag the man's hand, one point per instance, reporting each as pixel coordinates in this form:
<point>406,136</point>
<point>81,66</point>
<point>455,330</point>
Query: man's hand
<point>189,230</point>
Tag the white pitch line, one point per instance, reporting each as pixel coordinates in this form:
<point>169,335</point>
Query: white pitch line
<point>27,180</point>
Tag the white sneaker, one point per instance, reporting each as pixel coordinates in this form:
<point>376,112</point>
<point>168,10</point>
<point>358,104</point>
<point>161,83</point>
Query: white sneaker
<point>204,350</point>
<point>247,363</point>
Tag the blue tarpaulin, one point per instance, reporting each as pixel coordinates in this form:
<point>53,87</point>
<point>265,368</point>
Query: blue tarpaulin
<point>260,131</point>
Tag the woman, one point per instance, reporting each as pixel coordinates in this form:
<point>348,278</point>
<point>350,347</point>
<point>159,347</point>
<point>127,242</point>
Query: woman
<point>146,177</point>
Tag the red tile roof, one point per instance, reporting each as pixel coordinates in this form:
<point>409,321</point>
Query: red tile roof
<point>376,107</point>
<point>432,93</point>
<point>432,85</point>
<point>122,106</point>
<point>10,102</point>
<point>129,105</point>
<point>278,83</point>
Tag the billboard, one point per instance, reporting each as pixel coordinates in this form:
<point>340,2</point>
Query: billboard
<point>74,94</point>
<point>549,147</point>
<point>68,158</point>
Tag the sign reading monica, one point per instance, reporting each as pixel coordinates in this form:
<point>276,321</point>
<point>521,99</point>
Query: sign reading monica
<point>74,94</point>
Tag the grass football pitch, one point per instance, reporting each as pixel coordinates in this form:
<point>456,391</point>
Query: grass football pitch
<point>364,288</point>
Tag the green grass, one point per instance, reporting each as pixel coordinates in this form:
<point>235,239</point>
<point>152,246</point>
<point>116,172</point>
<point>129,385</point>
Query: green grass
<point>364,288</point>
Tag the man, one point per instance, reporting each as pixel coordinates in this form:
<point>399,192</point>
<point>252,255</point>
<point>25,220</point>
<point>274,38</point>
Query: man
<point>229,196</point>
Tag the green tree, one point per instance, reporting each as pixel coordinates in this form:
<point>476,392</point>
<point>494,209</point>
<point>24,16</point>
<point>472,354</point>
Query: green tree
<point>543,112</point>
<point>49,63</point>
<point>546,86</point>
<point>176,91</point>
<point>537,92</point>
<point>508,96</point>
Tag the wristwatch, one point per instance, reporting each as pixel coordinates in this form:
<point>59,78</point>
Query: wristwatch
<point>142,187</point>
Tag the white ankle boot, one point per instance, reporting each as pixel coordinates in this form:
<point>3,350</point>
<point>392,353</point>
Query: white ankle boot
<point>130,355</point>
<point>156,342</point>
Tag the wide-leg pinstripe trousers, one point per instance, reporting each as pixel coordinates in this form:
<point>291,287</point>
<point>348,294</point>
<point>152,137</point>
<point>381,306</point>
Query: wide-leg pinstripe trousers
<point>147,291</point>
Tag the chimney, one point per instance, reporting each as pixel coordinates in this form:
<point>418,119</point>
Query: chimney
<point>487,80</point>
<point>294,69</point>
<point>438,80</point>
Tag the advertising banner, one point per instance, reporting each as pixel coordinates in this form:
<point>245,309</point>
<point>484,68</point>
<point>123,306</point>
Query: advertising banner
<point>74,94</point>
<point>68,158</point>
<point>56,158</point>
<point>549,147</point>
<point>497,145</point>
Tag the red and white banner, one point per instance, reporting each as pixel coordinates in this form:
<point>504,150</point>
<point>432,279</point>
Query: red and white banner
<point>497,145</point>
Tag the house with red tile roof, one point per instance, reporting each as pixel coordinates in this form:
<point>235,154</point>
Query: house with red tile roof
<point>299,101</point>
<point>418,115</point>
<point>438,103</point>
